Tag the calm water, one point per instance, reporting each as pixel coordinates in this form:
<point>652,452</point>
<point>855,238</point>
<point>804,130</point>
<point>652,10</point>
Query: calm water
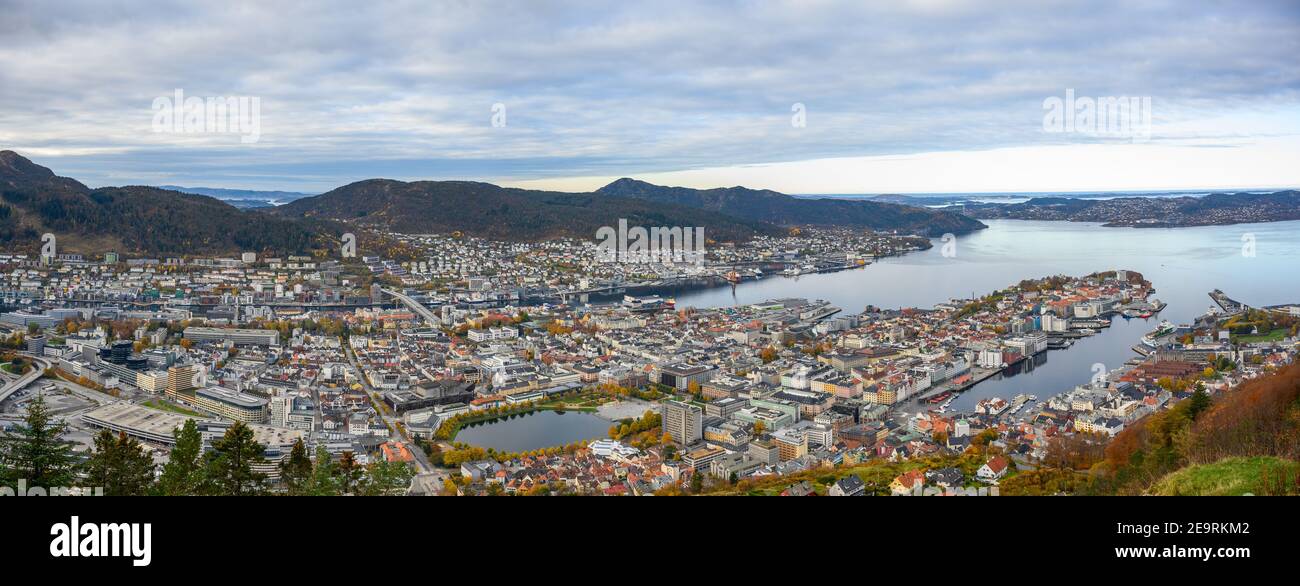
<point>539,429</point>
<point>1184,265</point>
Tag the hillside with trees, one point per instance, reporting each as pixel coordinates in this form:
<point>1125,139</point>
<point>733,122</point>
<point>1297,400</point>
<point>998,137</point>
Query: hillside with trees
<point>133,220</point>
<point>1246,440</point>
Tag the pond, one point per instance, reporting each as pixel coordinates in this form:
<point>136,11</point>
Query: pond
<point>530,431</point>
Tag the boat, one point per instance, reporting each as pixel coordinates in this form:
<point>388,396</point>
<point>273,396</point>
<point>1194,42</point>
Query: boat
<point>939,398</point>
<point>1164,329</point>
<point>650,303</point>
<point>732,276</point>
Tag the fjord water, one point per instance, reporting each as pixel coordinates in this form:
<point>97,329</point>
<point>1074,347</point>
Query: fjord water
<point>1183,264</point>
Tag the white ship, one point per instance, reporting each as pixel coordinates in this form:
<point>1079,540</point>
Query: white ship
<point>1164,329</point>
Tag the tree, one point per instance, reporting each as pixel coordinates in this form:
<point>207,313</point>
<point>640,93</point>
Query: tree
<point>1198,402</point>
<point>35,450</point>
<point>230,463</point>
<point>297,470</point>
<point>349,473</point>
<point>386,478</point>
<point>119,465</point>
<point>183,474</point>
<point>435,455</point>
<point>697,482</point>
<point>323,481</point>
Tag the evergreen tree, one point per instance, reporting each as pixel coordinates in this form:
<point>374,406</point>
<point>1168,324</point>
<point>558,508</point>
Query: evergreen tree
<point>119,465</point>
<point>1198,402</point>
<point>36,452</point>
<point>183,474</point>
<point>384,478</point>
<point>230,463</point>
<point>349,473</point>
<point>323,481</point>
<point>297,471</point>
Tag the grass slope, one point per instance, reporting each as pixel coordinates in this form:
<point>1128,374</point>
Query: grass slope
<point>1259,475</point>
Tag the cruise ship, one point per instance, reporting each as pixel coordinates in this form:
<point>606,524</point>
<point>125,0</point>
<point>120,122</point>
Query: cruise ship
<point>648,303</point>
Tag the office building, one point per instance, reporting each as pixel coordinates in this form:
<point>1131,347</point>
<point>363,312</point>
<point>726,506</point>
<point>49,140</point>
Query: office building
<point>683,422</point>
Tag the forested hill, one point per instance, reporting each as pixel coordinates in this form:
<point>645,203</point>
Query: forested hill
<point>133,219</point>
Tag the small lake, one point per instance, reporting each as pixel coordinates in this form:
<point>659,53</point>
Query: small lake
<point>539,429</point>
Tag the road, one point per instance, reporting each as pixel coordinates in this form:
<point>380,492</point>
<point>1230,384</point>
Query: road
<point>423,466</point>
<point>38,368</point>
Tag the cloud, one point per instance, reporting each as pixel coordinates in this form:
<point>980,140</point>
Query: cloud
<point>405,89</point>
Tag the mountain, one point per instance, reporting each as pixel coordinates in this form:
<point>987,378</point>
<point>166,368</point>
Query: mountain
<point>242,198</point>
<point>764,205</point>
<point>490,211</point>
<point>1160,212</point>
<point>133,219</point>
<point>157,221</point>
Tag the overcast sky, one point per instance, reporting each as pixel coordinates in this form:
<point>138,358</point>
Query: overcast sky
<point>921,96</point>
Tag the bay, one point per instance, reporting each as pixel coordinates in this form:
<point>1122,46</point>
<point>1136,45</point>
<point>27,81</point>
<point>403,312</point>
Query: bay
<point>1184,265</point>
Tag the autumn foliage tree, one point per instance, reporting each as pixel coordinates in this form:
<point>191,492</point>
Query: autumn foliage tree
<point>1259,418</point>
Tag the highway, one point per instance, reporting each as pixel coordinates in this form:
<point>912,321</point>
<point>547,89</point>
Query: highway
<point>38,368</point>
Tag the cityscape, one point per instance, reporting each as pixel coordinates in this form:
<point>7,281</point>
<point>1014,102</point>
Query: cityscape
<point>491,367</point>
<point>614,252</point>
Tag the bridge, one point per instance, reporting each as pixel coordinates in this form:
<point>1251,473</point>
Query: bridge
<point>416,306</point>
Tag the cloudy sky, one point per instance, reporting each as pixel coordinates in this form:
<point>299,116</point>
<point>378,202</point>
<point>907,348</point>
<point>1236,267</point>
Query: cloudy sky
<point>814,96</point>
